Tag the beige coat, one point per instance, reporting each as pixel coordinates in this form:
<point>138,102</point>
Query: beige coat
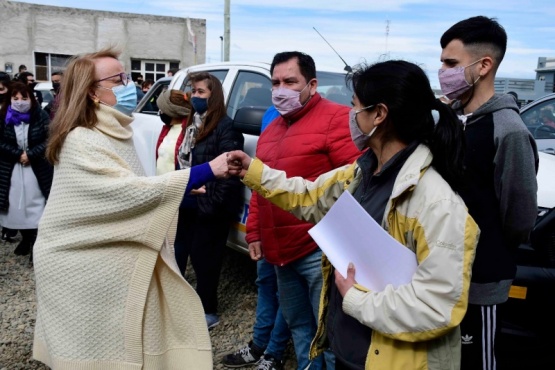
<point>109,293</point>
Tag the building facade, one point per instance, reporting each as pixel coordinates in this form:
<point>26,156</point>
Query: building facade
<point>529,90</point>
<point>43,38</point>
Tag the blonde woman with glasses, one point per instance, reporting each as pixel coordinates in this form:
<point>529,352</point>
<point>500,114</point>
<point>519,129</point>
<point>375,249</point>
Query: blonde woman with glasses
<point>109,292</point>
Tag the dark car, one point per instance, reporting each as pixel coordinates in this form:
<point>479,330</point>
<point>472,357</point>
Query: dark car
<point>528,320</point>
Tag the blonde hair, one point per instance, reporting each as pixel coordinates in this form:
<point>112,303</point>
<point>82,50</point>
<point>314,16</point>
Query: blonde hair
<point>76,108</point>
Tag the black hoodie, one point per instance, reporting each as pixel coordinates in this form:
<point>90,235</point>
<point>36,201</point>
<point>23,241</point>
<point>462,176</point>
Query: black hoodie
<point>500,192</point>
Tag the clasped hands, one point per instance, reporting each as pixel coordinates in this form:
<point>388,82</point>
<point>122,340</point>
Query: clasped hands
<point>228,164</point>
<point>23,159</point>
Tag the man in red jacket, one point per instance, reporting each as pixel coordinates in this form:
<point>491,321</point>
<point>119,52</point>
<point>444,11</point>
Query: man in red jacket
<point>310,137</point>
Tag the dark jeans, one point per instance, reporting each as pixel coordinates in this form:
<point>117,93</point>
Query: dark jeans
<point>203,238</point>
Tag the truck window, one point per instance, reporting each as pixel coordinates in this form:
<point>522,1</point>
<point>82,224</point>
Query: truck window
<point>250,89</point>
<point>148,102</point>
<point>219,74</point>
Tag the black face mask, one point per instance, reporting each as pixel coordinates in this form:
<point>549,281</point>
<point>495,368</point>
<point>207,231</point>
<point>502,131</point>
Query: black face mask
<point>56,86</point>
<point>165,118</point>
<point>3,97</point>
<point>33,84</point>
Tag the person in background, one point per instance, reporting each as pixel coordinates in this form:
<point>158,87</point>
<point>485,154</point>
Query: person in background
<point>547,117</point>
<point>172,71</point>
<point>22,68</point>
<point>4,85</point>
<point>109,293</point>
<point>52,105</point>
<point>269,116</point>
<point>146,85</point>
<point>25,174</point>
<point>283,240</point>
<point>270,331</point>
<point>204,219</point>
<point>407,183</point>
<point>500,176</point>
<point>150,105</point>
<point>139,81</point>
<point>29,79</point>
<point>7,233</point>
<point>175,108</point>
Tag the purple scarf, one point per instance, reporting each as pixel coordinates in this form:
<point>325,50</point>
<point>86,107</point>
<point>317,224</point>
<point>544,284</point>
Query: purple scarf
<point>15,118</point>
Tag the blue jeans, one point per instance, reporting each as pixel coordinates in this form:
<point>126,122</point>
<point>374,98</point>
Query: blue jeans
<point>270,329</point>
<point>300,284</point>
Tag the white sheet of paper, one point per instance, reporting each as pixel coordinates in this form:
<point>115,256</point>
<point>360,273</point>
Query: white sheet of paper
<point>349,234</point>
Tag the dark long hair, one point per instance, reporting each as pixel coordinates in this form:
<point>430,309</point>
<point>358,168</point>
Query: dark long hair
<point>25,90</point>
<point>216,104</point>
<point>405,89</point>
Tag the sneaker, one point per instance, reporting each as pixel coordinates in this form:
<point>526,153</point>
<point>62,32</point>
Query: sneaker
<point>212,320</point>
<point>250,354</point>
<point>267,362</point>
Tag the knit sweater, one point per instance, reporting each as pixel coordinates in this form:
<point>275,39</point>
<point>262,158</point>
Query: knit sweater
<point>109,293</point>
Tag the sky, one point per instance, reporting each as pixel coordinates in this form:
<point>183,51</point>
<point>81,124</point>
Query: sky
<point>359,30</point>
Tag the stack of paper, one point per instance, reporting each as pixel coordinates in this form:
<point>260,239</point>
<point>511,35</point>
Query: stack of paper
<point>349,234</point>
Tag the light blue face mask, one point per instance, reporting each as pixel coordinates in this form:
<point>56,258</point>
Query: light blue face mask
<point>126,97</point>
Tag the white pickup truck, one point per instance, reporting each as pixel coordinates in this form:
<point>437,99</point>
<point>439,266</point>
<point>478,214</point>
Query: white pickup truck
<point>245,85</point>
<point>247,90</point>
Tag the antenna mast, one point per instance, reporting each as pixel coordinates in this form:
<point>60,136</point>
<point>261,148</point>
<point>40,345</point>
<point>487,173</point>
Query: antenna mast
<point>347,67</point>
<point>386,37</point>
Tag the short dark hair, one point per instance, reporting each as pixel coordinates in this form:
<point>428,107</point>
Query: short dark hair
<point>23,66</point>
<point>481,34</point>
<point>57,73</point>
<point>305,62</point>
<point>23,76</point>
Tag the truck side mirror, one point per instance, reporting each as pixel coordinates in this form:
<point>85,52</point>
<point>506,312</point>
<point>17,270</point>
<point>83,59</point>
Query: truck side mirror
<point>248,120</point>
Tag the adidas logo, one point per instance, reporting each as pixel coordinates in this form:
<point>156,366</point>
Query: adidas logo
<point>467,339</point>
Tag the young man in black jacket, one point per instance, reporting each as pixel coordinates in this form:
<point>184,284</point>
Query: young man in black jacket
<point>501,163</point>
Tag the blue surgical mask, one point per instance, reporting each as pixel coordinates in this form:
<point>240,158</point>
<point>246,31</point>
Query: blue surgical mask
<point>199,104</point>
<point>126,97</point>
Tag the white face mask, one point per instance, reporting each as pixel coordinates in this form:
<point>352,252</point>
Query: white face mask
<point>21,106</point>
<point>359,138</point>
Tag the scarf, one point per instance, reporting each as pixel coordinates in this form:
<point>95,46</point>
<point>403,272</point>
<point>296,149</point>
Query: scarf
<point>186,150</point>
<point>15,118</point>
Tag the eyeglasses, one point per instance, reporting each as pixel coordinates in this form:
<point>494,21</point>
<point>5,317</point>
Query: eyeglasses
<point>124,78</point>
<point>365,108</point>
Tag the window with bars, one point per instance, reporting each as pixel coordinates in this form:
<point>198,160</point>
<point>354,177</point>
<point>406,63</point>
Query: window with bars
<point>151,69</point>
<point>46,64</point>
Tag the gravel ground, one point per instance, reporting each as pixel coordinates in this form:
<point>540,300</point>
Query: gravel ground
<point>237,294</point>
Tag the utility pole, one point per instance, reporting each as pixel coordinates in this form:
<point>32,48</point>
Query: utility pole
<point>222,48</point>
<point>226,31</point>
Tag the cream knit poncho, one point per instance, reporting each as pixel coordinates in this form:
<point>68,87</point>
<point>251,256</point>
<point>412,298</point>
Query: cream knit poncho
<point>109,293</point>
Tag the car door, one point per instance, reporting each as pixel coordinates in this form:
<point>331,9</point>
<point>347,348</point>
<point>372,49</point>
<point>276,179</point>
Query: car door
<point>251,87</point>
<point>539,118</point>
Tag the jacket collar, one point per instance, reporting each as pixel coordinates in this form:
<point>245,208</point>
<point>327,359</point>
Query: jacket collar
<point>304,110</point>
<point>415,165</point>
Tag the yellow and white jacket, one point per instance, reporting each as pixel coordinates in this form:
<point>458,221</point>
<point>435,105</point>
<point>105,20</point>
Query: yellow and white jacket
<point>415,326</point>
